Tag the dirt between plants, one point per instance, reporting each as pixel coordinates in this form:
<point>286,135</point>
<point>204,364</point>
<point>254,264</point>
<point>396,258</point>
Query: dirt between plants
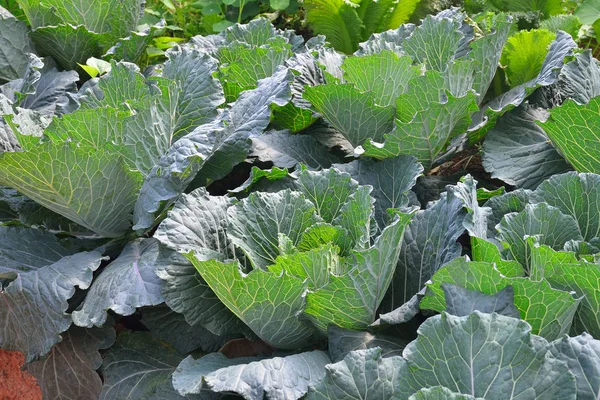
<point>14,383</point>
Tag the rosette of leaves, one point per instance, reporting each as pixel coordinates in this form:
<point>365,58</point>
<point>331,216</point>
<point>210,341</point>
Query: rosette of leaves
<point>127,148</point>
<point>420,90</point>
<point>71,33</point>
<point>291,262</point>
<point>535,249</point>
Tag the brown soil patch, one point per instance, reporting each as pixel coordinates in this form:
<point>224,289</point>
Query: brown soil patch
<point>14,383</point>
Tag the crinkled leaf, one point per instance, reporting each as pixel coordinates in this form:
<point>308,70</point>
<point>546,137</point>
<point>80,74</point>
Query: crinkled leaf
<point>553,227</point>
<point>582,355</point>
<point>268,303</point>
<point>391,179</point>
<point>429,243</point>
<point>35,308</point>
<point>278,378</point>
<point>315,265</point>
<point>524,55</point>
<point>69,371</point>
<point>484,355</point>
<point>337,20</point>
<point>573,129</point>
<point>361,374</point>
<point>351,300</point>
<point>256,222</point>
<point>89,187</point>
<point>128,282</point>
<point>549,311</point>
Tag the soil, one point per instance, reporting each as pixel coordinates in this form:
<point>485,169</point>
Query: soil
<point>14,383</point>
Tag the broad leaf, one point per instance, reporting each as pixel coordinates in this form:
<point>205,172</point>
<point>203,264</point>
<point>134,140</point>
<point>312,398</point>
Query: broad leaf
<point>517,149</point>
<point>35,300</point>
<point>89,187</point>
<point>278,378</point>
<point>461,302</point>
<point>582,355</point>
<point>391,180</point>
<point>577,195</point>
<point>165,324</point>
<point>138,367</point>
<point>269,304</point>
<point>338,21</point>
<point>69,371</point>
<point>14,46</point>
<point>553,227</point>
<point>549,311</point>
<point>573,129</point>
<point>351,300</point>
<point>256,222</point>
<point>361,374</point>
<point>128,282</point>
<point>429,243</point>
<point>484,355</point>
<point>343,341</point>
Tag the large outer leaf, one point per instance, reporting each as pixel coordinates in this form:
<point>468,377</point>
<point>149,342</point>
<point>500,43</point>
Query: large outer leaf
<point>139,367</point>
<point>549,311</point>
<point>362,374</point>
<point>256,222</point>
<point>484,355</point>
<point>212,149</point>
<point>577,195</point>
<point>69,371</point>
<point>35,303</point>
<point>351,111</point>
<point>351,300</point>
<point>579,79</point>
<point>67,44</point>
<point>14,46</point>
<point>268,303</point>
<point>429,243</point>
<point>89,187</point>
<point>518,152</point>
<point>554,228</point>
<point>573,129</point>
<point>440,393</point>
<point>200,94</point>
<point>187,293</point>
<point>279,378</point>
<point>128,282</point>
<point>391,179</point>
<point>198,222</point>
<point>582,355</point>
